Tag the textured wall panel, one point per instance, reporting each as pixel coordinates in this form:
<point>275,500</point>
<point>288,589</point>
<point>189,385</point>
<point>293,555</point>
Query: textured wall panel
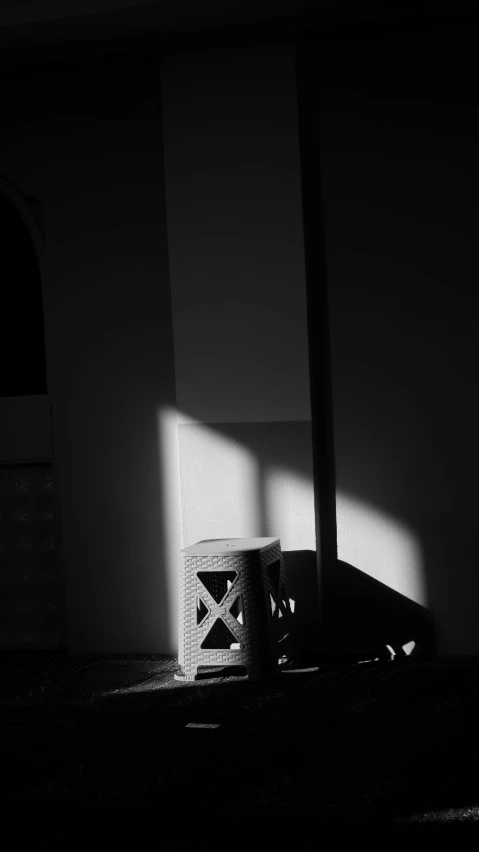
<point>31,589</point>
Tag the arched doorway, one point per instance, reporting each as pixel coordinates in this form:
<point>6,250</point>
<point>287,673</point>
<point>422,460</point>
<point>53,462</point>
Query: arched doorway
<point>22,339</point>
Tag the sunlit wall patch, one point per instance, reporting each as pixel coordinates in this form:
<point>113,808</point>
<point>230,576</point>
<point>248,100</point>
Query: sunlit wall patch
<point>380,545</point>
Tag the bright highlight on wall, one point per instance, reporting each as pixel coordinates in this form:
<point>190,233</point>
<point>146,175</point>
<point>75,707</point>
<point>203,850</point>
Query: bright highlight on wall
<point>220,486</point>
<point>288,495</point>
<point>381,546</point>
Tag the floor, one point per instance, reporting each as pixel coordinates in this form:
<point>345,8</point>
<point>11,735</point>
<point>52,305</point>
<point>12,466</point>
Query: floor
<point>113,753</point>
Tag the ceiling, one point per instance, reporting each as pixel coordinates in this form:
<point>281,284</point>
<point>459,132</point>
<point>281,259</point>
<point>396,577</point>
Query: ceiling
<point>45,28</point>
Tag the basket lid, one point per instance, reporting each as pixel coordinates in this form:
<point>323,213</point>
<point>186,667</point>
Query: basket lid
<point>228,546</point>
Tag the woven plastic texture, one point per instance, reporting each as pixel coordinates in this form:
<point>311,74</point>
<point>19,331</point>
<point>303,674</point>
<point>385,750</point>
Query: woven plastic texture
<point>230,610</point>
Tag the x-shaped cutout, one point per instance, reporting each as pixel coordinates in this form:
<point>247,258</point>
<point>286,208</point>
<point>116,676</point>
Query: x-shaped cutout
<point>219,606</point>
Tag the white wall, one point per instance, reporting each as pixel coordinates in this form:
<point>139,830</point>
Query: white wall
<point>399,153</point>
<point>238,294</point>
<point>235,235</point>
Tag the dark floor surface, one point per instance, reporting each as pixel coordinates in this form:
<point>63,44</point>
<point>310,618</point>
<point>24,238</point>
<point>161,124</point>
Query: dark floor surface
<point>106,753</point>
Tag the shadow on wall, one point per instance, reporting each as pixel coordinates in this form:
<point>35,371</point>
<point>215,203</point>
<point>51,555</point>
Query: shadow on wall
<point>363,619</point>
<point>303,590</point>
